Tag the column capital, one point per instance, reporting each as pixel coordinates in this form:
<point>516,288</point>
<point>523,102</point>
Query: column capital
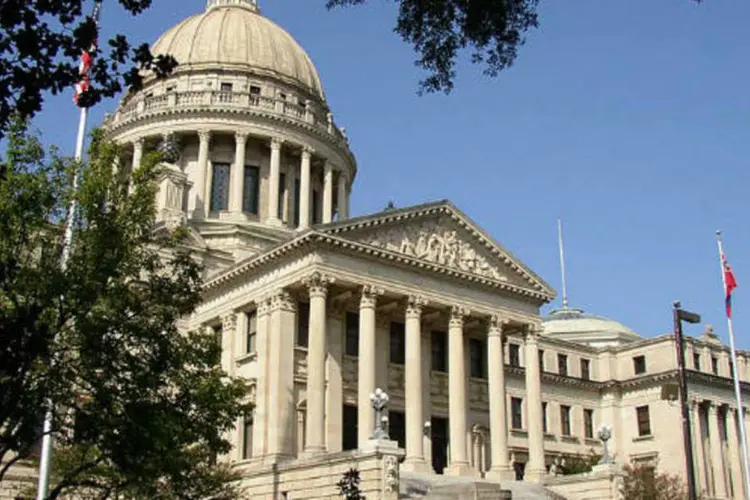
<point>318,283</point>
<point>414,305</point>
<point>240,136</point>
<point>282,300</point>
<point>328,167</point>
<point>263,306</point>
<point>532,333</point>
<point>204,135</point>
<point>496,324</point>
<point>276,142</point>
<point>139,142</point>
<point>370,294</point>
<point>229,322</point>
<point>458,315</point>
<point>713,407</point>
<point>307,152</point>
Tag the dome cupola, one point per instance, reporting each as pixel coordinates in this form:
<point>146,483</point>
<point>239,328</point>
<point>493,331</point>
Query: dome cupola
<point>575,325</point>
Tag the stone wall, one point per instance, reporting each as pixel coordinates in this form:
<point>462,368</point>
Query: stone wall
<point>17,480</point>
<point>603,483</point>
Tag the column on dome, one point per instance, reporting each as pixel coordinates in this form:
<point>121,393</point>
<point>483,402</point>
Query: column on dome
<point>260,417</point>
<point>500,468</point>
<point>535,467</point>
<point>327,193</point>
<point>137,154</point>
<point>238,173</point>
<point>733,458</point>
<point>366,363</point>
<point>273,181</point>
<point>305,188</point>
<point>281,408</point>
<point>343,198</point>
<point>698,454</point>
<point>201,185</point>
<point>717,461</point>
<point>413,387</point>
<point>459,464</point>
<point>317,285</point>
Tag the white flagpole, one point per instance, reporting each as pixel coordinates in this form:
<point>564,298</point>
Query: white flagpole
<point>735,376</point>
<point>562,264</point>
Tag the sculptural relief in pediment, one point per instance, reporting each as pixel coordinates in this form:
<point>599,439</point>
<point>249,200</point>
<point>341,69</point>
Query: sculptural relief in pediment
<point>439,243</point>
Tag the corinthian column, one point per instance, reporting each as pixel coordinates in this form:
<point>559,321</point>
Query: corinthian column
<point>316,364</point>
<point>281,377</point>
<point>717,462</point>
<point>366,363</point>
<point>459,464</point>
<point>343,201</point>
<point>500,469</point>
<point>273,181</point>
<point>414,388</point>
<point>327,193</point>
<point>201,196</point>
<point>137,154</point>
<point>260,420</point>
<point>304,190</point>
<point>238,173</point>
<point>535,469</point>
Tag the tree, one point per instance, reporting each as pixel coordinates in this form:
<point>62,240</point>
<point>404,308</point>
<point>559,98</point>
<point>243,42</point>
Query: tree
<point>644,482</point>
<point>141,408</point>
<point>348,485</point>
<point>492,30</point>
<point>40,46</point>
<point>579,463</point>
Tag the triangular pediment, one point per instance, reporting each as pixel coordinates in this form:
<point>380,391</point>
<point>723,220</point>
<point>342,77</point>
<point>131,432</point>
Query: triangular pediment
<point>441,235</point>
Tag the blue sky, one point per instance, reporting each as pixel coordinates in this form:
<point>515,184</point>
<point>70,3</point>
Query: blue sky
<point>629,119</point>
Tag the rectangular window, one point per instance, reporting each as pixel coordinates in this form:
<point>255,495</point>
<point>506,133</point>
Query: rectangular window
<point>303,323</point>
<point>397,427</point>
<point>644,421</point>
<point>714,365</point>
<point>352,334</point>
<point>349,428</point>
<point>282,191</point>
<point>439,352</point>
<point>171,88</point>
<point>219,187</point>
<point>398,347</point>
<point>296,202</point>
<point>247,437</point>
<point>565,420</point>
<point>216,329</point>
<point>476,358</point>
<point>562,364</point>
<point>588,423</point>
<point>254,90</point>
<point>252,331</point>
<point>316,208</point>
<point>541,360</point>
<point>251,190</point>
<point>514,355</point>
<point>225,87</point>
<point>544,417</point>
<point>639,365</point>
<point>516,413</point>
<point>696,361</point>
<point>586,369</point>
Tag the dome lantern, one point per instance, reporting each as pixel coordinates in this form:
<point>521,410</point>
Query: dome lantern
<point>251,5</point>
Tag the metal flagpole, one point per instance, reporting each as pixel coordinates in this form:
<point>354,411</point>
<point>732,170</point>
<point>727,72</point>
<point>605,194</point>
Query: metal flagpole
<point>735,376</point>
<point>562,264</point>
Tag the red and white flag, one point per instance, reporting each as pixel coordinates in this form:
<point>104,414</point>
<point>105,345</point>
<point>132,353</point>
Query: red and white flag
<point>87,59</point>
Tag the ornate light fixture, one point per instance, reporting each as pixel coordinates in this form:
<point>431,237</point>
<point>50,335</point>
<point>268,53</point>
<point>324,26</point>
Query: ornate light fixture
<point>379,400</point>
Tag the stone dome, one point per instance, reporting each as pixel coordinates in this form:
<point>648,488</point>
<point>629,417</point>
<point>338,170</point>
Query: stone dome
<point>231,34</point>
<point>578,326</point>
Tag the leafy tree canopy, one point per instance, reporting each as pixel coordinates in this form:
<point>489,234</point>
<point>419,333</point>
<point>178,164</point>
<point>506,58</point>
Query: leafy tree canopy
<point>643,481</point>
<point>141,408</point>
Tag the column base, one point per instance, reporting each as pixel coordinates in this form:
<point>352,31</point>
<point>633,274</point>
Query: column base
<point>276,458</point>
<point>534,475</point>
<point>501,474</point>
<point>417,465</point>
<point>462,469</point>
<point>313,452</point>
<point>274,221</point>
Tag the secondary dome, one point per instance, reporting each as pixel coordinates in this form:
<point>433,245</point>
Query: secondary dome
<point>576,325</point>
<point>232,35</point>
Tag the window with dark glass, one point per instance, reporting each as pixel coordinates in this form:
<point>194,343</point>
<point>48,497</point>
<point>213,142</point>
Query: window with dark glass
<point>476,358</point>
<point>254,90</point>
<point>731,369</point>
<point>565,420</point>
<point>516,413</point>
<point>439,352</point>
<point>544,417</point>
<point>714,365</point>
<point>541,360</point>
<point>514,355</point>
<point>696,361</point>
<point>225,87</point>
<point>296,202</point>
<point>644,421</point>
<point>586,369</point>
<point>562,364</point>
<point>251,190</point>
<point>588,423</point>
<point>171,88</point>
<point>639,365</point>
<point>349,429</point>
<point>247,437</point>
<point>397,427</point>
<point>398,347</point>
<point>252,330</point>
<point>282,191</point>
<point>303,323</point>
<point>316,209</point>
<point>217,335</point>
<point>352,334</point>
<point>219,187</point>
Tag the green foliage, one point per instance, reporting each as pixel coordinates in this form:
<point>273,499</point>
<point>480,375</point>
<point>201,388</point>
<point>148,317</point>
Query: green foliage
<point>439,29</point>
<point>348,485</point>
<point>40,46</point>
<point>141,408</point>
<point>579,463</point>
<point>644,482</point>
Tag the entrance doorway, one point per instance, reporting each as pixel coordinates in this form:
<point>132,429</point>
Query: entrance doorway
<point>439,444</point>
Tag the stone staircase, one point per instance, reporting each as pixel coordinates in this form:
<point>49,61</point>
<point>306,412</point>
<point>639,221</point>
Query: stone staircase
<point>436,487</point>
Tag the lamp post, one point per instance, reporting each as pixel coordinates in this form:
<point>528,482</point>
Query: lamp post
<point>379,400</point>
<point>681,315</point>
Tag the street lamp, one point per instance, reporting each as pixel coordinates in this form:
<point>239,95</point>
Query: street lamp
<point>681,315</point>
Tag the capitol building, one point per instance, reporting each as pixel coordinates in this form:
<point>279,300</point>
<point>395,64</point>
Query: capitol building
<point>317,307</point>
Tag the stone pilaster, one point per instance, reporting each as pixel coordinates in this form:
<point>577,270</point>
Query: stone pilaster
<point>698,454</point>
<point>327,193</point>
<point>717,461</point>
<point>535,467</point>
<point>237,181</point>
<point>414,389</point>
<point>366,362</point>
<point>202,188</point>
<point>500,468</point>
<point>304,191</point>
<point>459,465</point>
<point>317,285</point>
<point>281,408</point>
<point>260,418</point>
<point>334,378</point>
<point>274,176</point>
<point>228,335</point>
